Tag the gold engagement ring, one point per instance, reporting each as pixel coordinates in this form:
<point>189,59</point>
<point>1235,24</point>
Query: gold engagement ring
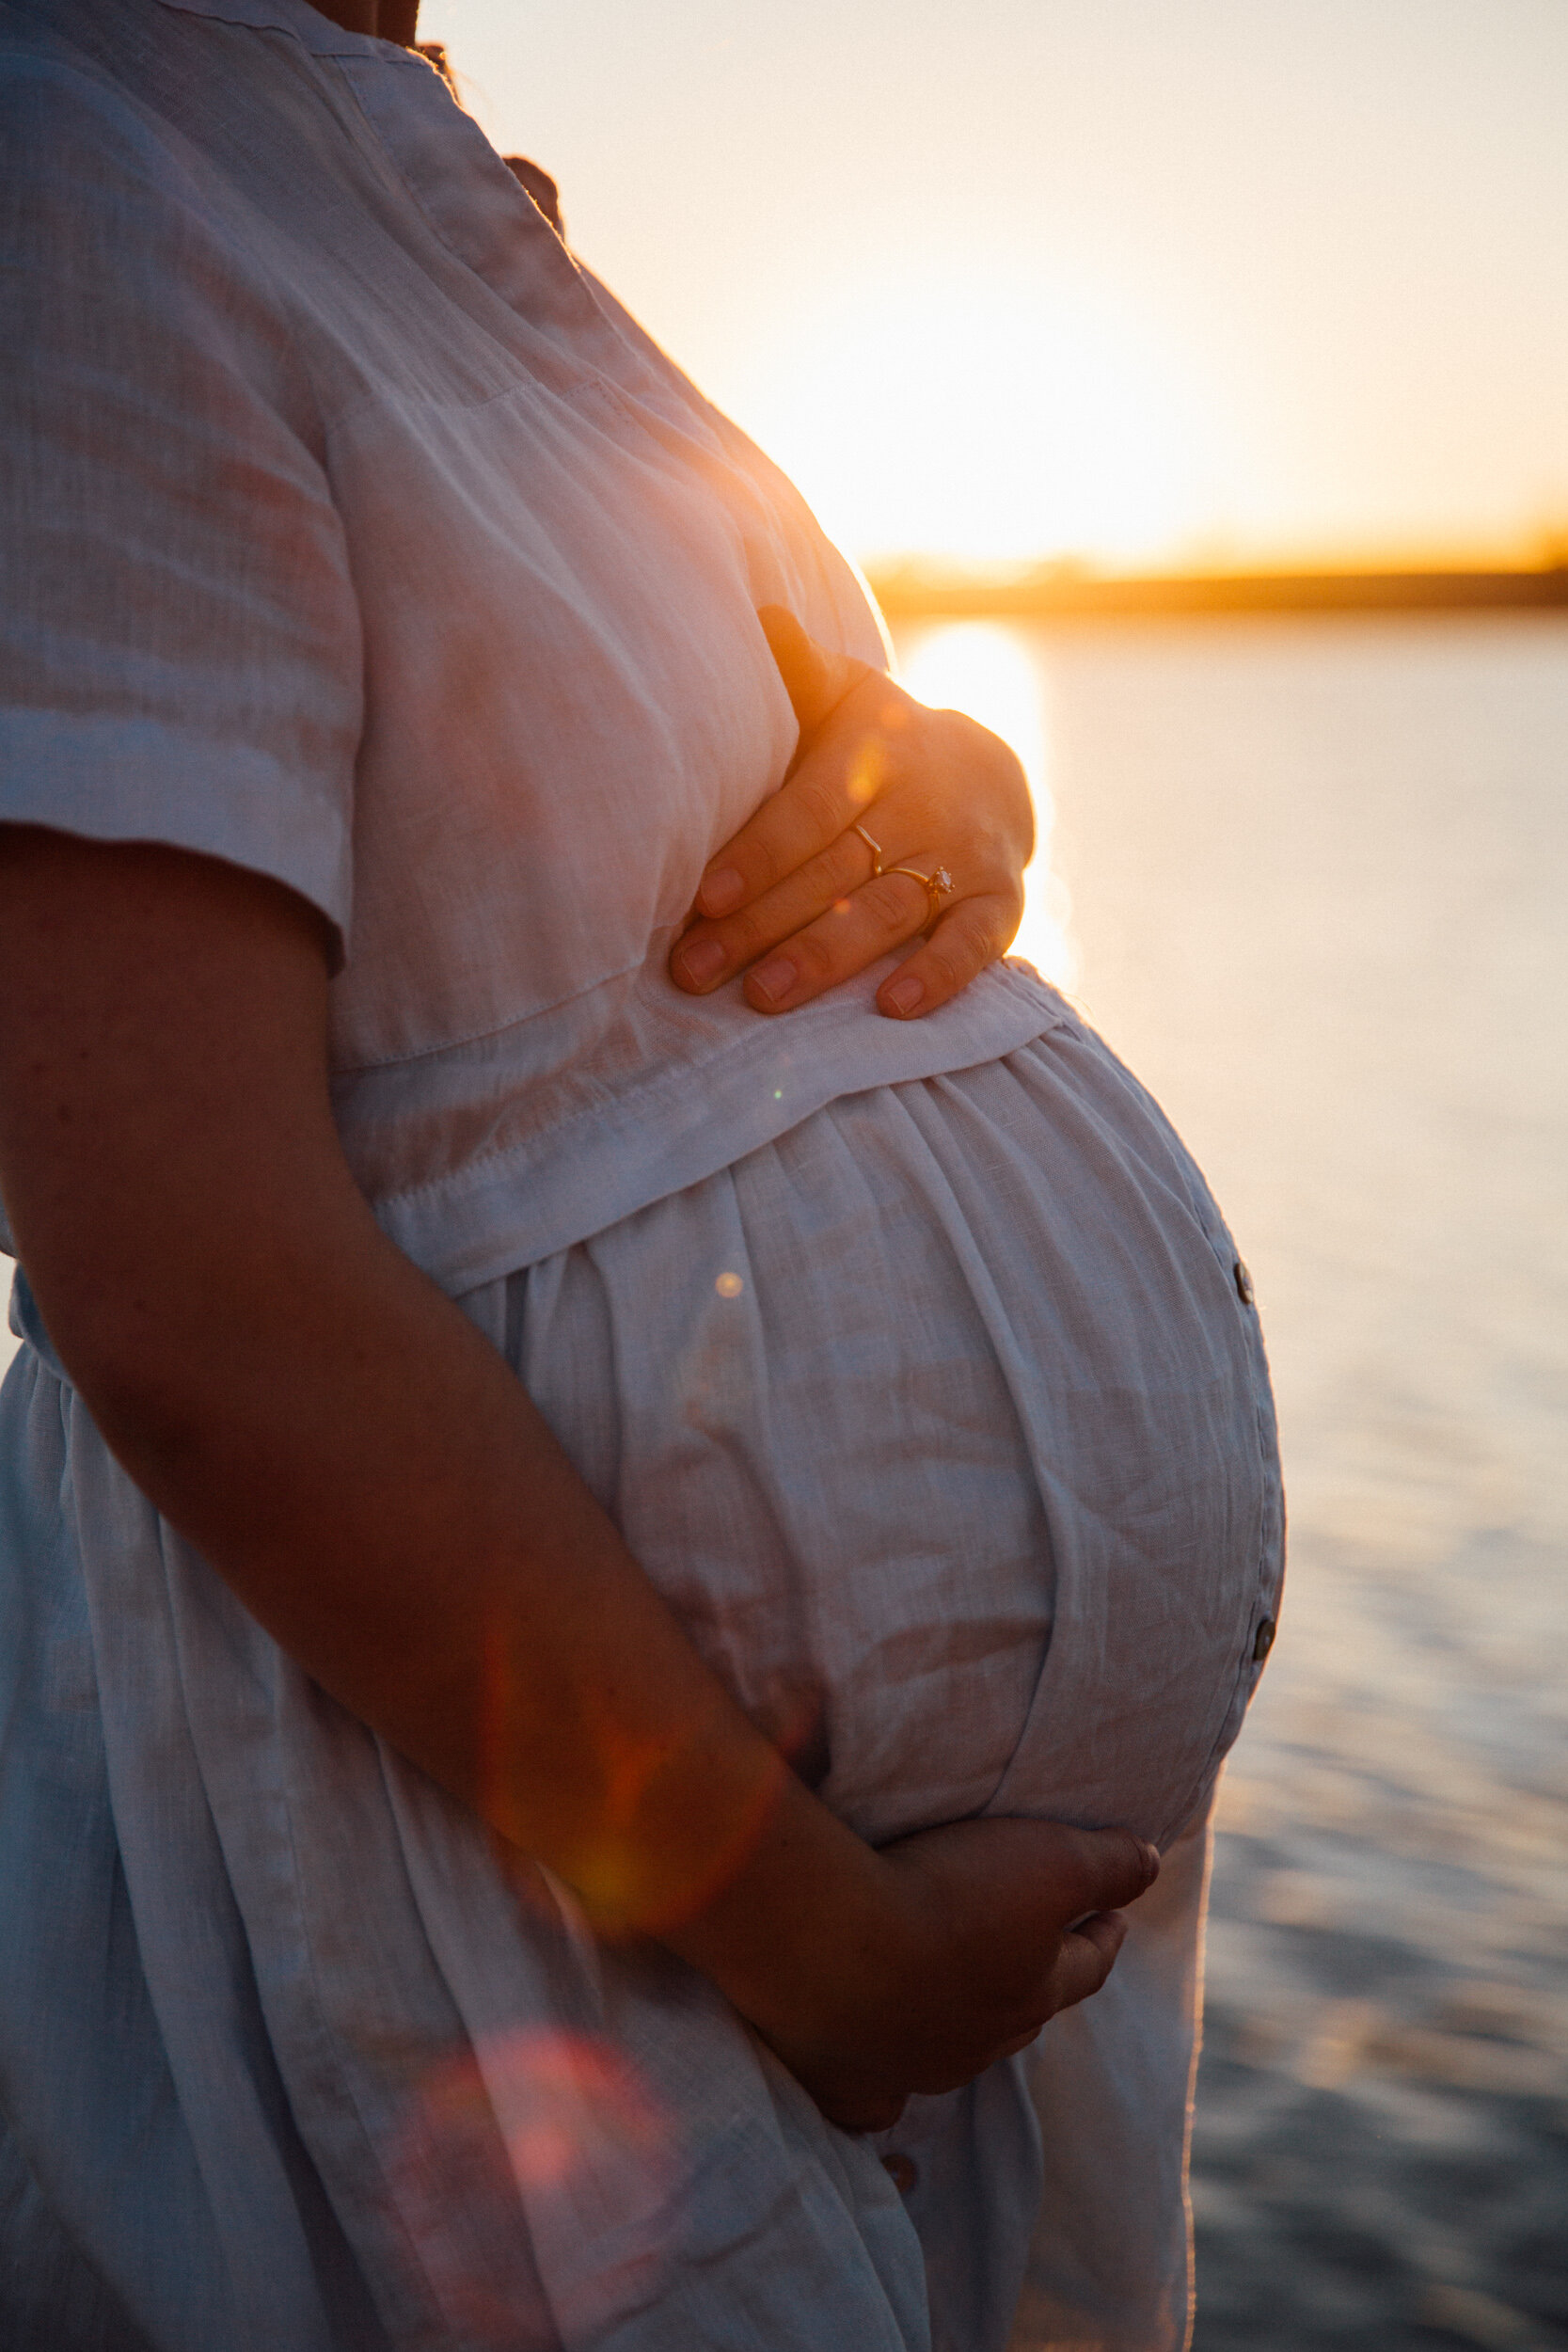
<point>937,885</point>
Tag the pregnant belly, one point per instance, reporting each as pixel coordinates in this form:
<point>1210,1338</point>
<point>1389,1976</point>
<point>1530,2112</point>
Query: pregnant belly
<point>945,1425</point>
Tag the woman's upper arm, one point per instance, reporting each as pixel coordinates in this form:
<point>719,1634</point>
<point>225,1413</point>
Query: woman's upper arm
<point>163,1087</point>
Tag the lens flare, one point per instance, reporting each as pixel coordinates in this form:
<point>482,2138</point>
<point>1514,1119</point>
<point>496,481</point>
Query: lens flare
<point>534,2173</point>
<point>456,2197</point>
<point>867,773</point>
<point>570,2104</point>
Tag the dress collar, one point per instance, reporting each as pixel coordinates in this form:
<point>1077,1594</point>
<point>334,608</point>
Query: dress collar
<point>317,32</point>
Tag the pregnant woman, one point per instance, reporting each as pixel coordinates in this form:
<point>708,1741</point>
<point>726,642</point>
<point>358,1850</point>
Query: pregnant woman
<point>617,1532</point>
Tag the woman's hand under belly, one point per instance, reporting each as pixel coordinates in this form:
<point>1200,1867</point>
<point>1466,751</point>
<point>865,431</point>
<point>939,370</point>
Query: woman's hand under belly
<point>915,1969</point>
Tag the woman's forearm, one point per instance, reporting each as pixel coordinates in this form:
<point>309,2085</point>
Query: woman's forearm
<point>370,1477</point>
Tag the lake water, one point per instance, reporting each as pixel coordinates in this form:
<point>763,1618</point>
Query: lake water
<point>1311,880</point>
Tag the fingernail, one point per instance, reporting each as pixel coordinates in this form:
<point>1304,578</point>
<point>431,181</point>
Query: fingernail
<point>904,995</point>
<point>1151,1855</point>
<point>701,959</point>
<point>774,979</point>
<point>721,891</point>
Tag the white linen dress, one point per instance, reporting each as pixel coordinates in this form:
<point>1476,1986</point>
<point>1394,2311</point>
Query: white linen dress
<point>357,537</point>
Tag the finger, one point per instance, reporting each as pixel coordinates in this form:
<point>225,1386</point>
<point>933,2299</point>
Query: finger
<point>1105,1930</point>
<point>862,2115</point>
<point>1087,1956</point>
<point>828,789</point>
<point>836,775</point>
<point>1109,1867</point>
<point>709,953</point>
<point>815,679</point>
<point>1080,1871</point>
<point>967,938</point>
<point>853,933</point>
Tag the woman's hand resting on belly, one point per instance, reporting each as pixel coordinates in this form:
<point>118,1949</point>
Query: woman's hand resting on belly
<point>364,1470</point>
<point>829,873</point>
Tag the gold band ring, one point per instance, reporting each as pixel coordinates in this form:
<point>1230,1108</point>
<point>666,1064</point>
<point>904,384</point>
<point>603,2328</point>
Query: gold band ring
<point>875,847</point>
<point>937,885</point>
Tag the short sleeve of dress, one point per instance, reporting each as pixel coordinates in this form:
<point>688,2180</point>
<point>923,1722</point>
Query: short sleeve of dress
<point>180,654</point>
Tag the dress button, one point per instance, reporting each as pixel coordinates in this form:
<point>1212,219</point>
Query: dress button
<point>1262,1641</point>
<point>1243,1283</point>
<point>901,2170</point>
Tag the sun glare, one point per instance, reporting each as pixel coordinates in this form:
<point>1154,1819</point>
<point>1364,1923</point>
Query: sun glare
<point>987,669</point>
<point>989,421</point>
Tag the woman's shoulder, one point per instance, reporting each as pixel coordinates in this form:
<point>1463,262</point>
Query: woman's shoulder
<point>96,179</point>
<point>132,262</point>
<point>67,119</point>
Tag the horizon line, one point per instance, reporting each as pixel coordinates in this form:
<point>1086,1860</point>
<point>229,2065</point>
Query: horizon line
<point>1071,589</point>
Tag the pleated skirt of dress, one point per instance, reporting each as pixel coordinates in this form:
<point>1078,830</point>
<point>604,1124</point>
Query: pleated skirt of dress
<point>945,1427</point>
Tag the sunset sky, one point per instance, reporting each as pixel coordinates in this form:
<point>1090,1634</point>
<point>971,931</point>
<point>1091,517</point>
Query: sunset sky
<point>1143,281</point>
